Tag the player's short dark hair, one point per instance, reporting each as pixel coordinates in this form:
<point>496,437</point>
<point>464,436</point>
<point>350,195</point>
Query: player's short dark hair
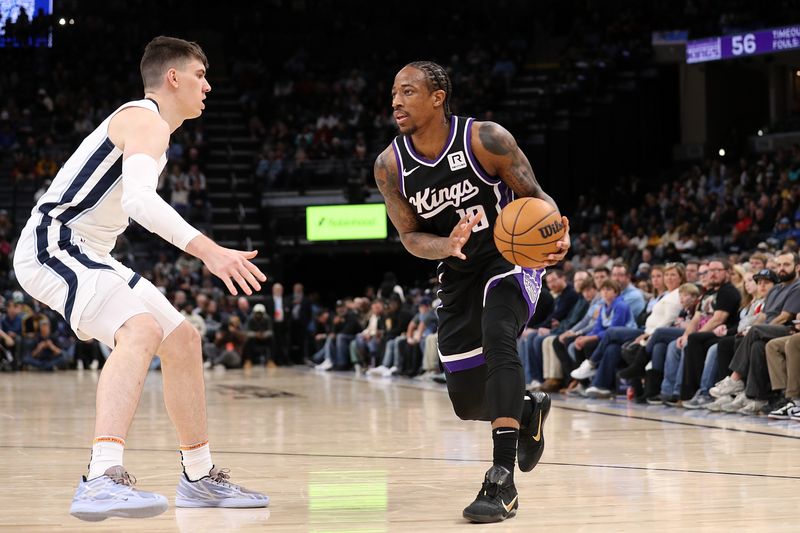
<point>437,79</point>
<point>164,52</point>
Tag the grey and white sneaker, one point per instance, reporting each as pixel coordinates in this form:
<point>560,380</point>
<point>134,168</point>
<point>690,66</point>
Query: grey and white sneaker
<point>112,494</point>
<point>737,403</point>
<point>698,401</point>
<point>752,407</point>
<point>216,490</point>
<point>717,405</point>
<point>794,413</point>
<point>726,387</point>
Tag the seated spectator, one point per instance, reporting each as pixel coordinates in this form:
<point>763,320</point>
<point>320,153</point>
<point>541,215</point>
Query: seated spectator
<point>46,353</point>
<point>783,363</point>
<point>749,380</point>
<point>565,297</point>
<point>370,340</point>
<point>398,318</point>
<point>667,307</point>
<point>756,289</point>
<point>226,350</point>
<point>718,306</point>
<point>259,336</point>
<point>552,369</point>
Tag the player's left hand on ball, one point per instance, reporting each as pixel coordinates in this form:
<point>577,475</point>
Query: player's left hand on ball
<point>563,245</point>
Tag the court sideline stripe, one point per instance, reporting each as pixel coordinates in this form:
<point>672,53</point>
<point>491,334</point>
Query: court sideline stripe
<point>558,406</point>
<point>439,459</point>
<point>676,422</point>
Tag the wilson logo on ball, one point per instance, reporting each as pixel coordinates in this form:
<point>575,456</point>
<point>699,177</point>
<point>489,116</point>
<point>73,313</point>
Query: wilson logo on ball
<point>551,229</point>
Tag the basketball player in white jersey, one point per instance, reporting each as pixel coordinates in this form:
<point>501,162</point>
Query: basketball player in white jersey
<point>63,260</point>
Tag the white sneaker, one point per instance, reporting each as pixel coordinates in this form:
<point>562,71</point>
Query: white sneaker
<point>389,372</point>
<point>94,365</point>
<point>579,391</point>
<point>377,371</point>
<point>534,385</point>
<point>737,403</point>
<point>585,371</point>
<point>726,387</point>
<point>79,365</point>
<point>207,364</point>
<point>325,365</point>
<point>358,369</point>
<point>597,392</point>
<point>717,405</point>
<point>752,407</point>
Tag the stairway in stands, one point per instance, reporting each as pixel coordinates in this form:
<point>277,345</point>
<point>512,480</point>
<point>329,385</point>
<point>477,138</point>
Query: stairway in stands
<point>17,199</point>
<point>232,191</point>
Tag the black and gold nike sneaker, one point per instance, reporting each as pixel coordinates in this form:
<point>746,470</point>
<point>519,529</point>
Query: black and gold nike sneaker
<point>531,432</point>
<point>497,499</point>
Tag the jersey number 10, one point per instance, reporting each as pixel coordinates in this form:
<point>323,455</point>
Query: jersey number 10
<point>473,212</point>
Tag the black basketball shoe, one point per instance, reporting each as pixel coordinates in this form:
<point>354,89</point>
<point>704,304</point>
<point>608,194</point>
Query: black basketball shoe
<point>497,499</point>
<point>531,432</point>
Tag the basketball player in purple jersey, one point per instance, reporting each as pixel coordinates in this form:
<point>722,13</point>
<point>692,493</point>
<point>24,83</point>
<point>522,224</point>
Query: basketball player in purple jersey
<point>445,179</point>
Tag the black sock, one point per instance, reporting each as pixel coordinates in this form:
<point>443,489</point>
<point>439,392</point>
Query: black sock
<point>505,447</point>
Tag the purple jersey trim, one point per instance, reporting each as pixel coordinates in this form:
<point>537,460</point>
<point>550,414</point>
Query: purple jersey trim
<point>530,285</point>
<point>473,161</point>
<point>449,144</point>
<point>506,194</point>
<point>465,364</point>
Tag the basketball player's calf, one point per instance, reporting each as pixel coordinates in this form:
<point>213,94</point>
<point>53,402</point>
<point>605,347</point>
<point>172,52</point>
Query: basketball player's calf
<point>107,490</point>
<point>505,402</point>
<point>202,484</point>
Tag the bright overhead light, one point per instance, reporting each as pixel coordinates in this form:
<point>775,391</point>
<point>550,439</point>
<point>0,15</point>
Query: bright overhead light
<point>722,152</point>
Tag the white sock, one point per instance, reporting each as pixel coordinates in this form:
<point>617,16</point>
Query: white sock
<point>196,460</point>
<point>106,452</point>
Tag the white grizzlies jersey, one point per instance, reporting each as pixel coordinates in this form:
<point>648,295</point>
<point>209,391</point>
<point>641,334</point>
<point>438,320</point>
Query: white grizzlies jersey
<point>86,194</point>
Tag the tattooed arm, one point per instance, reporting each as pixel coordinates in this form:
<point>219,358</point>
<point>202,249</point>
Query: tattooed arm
<point>419,243</point>
<point>498,153</point>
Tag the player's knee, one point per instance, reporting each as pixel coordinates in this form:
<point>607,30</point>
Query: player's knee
<point>500,337</point>
<point>191,337</point>
<point>141,330</point>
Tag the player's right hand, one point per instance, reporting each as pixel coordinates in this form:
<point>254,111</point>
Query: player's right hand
<point>460,235</point>
<point>234,266</point>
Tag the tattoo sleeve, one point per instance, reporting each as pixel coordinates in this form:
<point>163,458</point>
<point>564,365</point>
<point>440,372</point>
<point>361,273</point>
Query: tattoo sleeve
<point>513,167</point>
<point>419,243</point>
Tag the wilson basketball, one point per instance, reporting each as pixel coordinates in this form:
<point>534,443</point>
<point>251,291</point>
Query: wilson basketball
<point>527,231</point>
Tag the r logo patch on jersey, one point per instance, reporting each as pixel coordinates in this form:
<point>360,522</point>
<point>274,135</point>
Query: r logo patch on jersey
<point>457,160</point>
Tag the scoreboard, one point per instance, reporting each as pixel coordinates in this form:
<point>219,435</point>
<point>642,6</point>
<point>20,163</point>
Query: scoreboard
<point>743,44</point>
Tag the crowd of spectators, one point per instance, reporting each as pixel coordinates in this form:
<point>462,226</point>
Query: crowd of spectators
<point>679,290</point>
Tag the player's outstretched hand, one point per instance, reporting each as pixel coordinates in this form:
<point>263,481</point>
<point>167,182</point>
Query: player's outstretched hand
<point>234,266</point>
<point>460,235</point>
<point>563,245</point>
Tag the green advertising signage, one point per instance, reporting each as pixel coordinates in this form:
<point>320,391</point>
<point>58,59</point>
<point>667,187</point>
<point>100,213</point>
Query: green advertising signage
<point>345,222</point>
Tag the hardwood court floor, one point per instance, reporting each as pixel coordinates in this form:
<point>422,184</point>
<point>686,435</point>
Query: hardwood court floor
<point>338,453</point>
